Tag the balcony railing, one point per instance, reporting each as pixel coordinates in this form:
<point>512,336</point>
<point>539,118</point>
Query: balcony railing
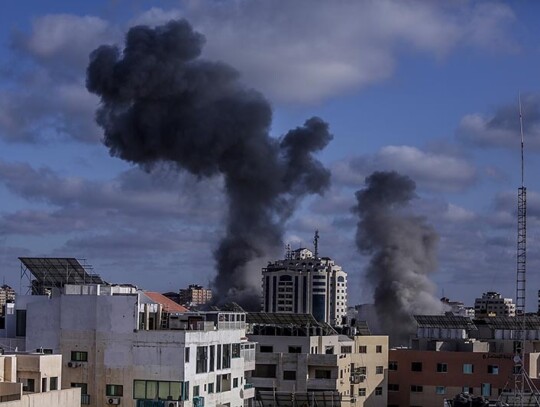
<point>85,399</point>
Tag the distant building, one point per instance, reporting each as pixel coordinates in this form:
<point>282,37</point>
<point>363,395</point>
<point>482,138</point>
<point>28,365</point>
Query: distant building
<point>492,304</point>
<point>453,354</point>
<point>7,296</point>
<point>195,295</point>
<point>304,284</point>
<point>457,308</point>
<point>301,362</point>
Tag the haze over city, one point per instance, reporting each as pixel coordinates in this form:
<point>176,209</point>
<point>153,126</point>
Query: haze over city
<point>427,89</point>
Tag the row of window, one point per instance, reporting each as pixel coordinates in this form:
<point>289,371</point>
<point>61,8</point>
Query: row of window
<point>362,391</point>
<point>485,389</point>
<point>206,360</point>
<point>364,349</point>
<point>116,390</point>
<point>468,368</point>
<point>29,384</point>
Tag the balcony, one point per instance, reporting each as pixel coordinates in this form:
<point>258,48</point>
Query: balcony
<point>322,384</point>
<point>249,391</point>
<point>322,360</point>
<point>85,399</point>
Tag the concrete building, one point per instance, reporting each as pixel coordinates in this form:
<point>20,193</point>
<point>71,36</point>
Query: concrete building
<point>492,304</point>
<point>7,295</point>
<point>195,295</point>
<point>303,283</point>
<point>33,379</point>
<point>123,346</point>
<point>453,354</point>
<point>302,362</point>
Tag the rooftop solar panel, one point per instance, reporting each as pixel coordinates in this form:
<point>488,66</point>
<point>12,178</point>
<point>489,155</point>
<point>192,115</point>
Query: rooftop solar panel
<point>58,271</point>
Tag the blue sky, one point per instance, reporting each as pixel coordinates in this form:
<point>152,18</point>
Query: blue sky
<point>425,88</point>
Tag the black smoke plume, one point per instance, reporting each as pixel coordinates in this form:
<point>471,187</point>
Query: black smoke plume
<point>403,253</point>
<point>161,102</point>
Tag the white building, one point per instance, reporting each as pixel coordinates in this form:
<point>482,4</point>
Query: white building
<point>121,346</point>
<point>305,284</point>
<point>492,304</point>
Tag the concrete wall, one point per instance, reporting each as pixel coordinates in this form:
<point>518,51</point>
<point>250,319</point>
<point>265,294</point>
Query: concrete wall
<point>60,398</point>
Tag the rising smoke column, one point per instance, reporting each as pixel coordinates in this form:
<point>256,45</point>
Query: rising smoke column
<point>403,253</point>
<point>161,102</point>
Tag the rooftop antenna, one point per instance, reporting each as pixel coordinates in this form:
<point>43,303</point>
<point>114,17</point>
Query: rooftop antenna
<point>288,254</point>
<point>316,243</point>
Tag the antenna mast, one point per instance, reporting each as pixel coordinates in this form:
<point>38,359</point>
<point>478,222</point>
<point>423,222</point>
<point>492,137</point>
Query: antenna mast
<point>316,244</point>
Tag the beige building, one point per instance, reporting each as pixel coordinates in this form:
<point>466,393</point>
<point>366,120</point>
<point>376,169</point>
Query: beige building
<point>195,295</point>
<point>300,361</point>
<point>33,379</point>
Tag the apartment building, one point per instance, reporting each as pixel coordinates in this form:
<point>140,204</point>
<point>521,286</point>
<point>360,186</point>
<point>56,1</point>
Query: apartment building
<point>303,362</point>
<point>195,295</point>
<point>33,379</point>
<point>492,304</point>
<point>121,346</point>
<point>303,283</point>
<point>454,354</point>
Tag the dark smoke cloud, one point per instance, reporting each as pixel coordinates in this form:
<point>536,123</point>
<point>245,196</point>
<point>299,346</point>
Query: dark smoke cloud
<point>403,253</point>
<point>161,102</point>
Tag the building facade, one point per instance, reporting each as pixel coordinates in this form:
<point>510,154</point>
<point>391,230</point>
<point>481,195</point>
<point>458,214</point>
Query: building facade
<point>121,346</point>
<point>305,284</point>
<point>492,304</point>
<point>302,363</point>
<point>194,295</point>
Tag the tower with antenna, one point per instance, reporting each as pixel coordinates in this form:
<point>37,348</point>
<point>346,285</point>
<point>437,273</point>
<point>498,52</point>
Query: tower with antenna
<point>521,378</point>
<point>316,244</point>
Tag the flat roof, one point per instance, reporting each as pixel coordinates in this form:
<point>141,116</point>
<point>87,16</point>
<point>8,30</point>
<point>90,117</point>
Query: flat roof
<point>267,318</point>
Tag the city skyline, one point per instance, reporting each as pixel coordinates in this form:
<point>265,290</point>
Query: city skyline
<point>426,89</point>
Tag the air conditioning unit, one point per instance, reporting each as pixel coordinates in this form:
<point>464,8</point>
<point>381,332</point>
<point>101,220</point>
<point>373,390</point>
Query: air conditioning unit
<point>73,364</point>
<point>172,404</point>
<point>113,400</point>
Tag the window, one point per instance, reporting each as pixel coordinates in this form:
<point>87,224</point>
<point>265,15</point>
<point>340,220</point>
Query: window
<point>235,350</point>
<point>196,391</point>
<point>114,390</point>
<point>416,366</point>
<point>379,370</point>
<point>467,390</point>
<point>202,359</point>
<point>416,389</point>
<point>442,368</point>
<point>235,382</point>
<point>378,348</point>
<point>329,350</point>
<point>362,349</point>
<point>266,349</point>
<point>440,390</point>
<point>210,388</point>
<point>152,390</point>
<point>295,349</point>
<point>186,355</point>
<point>468,368</point>
<point>226,363</point>
<point>53,383</point>
<point>289,375</point>
<point>83,387</point>
<point>322,374</point>
<point>78,356</point>
<point>212,358</point>
<point>362,391</point>
<point>346,349</point>
<point>264,370</point>
<point>378,391</point>
<point>43,384</point>
<point>392,365</point>
<point>362,370</point>
<point>218,357</point>
<point>486,389</point>
<point>393,387</point>
<point>493,369</point>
